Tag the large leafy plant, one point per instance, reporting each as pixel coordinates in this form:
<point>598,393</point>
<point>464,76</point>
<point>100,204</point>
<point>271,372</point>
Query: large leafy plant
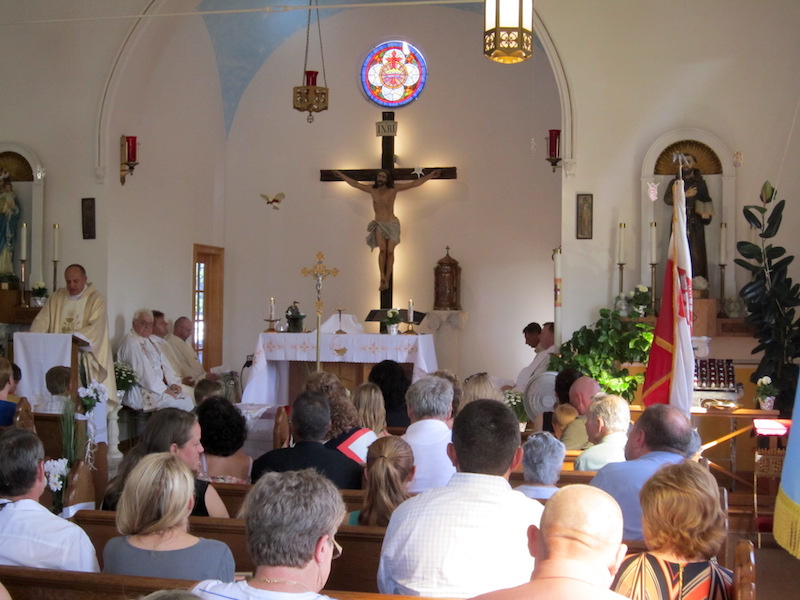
<point>771,297</point>
<point>600,350</point>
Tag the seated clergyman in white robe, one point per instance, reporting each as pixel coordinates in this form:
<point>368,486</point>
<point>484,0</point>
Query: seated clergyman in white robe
<point>180,352</point>
<point>157,384</point>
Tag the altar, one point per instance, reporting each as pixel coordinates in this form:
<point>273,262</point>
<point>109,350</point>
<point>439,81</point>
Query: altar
<point>269,381</point>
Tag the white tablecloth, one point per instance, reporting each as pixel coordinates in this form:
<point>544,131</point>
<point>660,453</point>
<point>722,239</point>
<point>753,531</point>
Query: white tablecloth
<point>269,379</point>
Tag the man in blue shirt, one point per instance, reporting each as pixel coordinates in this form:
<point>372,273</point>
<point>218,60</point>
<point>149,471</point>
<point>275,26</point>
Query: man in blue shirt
<point>661,436</point>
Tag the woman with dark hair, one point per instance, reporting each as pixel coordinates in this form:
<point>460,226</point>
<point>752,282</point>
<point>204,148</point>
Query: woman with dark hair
<point>224,431</point>
<point>393,381</point>
<point>176,431</point>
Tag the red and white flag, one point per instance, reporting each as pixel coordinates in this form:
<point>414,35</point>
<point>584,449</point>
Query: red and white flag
<point>669,378</point>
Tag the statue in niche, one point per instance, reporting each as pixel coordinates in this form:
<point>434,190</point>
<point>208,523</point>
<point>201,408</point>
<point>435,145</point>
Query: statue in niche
<point>699,211</point>
<point>9,220</point>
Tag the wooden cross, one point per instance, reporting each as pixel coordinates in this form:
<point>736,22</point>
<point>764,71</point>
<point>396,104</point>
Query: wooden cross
<point>387,129</point>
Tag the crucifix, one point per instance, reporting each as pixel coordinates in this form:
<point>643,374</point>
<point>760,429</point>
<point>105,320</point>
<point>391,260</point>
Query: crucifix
<point>319,271</point>
<point>383,232</point>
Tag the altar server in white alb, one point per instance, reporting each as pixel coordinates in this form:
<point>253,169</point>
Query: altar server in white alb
<point>157,384</point>
<point>80,309</point>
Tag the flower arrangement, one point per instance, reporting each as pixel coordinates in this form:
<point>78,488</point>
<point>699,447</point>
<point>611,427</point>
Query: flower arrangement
<point>124,375</point>
<point>39,290</point>
<point>56,473</point>
<point>392,317</point>
<point>639,300</point>
<point>92,394</point>
<point>516,403</point>
<point>764,387</point>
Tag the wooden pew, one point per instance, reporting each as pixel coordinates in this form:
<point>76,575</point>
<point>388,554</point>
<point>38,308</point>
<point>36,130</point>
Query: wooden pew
<point>356,570</point>
<point>567,477</point>
<point>232,495</point>
<point>25,583</point>
<point>744,571</point>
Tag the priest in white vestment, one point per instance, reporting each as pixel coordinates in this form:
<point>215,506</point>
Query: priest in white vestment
<point>181,354</point>
<point>80,309</point>
<point>157,384</point>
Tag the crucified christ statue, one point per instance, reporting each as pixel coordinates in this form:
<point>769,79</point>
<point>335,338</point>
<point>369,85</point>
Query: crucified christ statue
<point>384,230</point>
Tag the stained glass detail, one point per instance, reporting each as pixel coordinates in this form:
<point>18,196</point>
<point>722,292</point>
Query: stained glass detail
<point>394,74</point>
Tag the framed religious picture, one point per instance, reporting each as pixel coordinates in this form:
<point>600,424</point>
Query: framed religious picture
<point>585,213</point>
<point>87,218</point>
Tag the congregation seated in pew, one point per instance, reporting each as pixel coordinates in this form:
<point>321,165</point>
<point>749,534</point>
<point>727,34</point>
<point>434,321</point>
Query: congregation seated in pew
<point>291,520</point>
<point>223,434</point>
<point>310,422</point>
<point>389,470</point>
<point>176,431</point>
<point>470,536</point>
<point>684,529</point>
<point>152,516</point>
<point>542,459</point>
<point>30,535</point>
<point>607,421</point>
<point>577,546</point>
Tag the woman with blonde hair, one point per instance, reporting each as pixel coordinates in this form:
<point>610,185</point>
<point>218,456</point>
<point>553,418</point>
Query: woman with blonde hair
<point>153,518</point>
<point>368,400</point>
<point>684,528</point>
<point>390,468</point>
<point>479,386</point>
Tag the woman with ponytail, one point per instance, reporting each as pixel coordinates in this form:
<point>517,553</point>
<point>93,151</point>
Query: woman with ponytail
<point>390,468</point>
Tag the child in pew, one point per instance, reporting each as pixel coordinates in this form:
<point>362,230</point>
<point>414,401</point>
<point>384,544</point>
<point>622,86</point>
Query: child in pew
<point>563,415</point>
<point>153,516</point>
<point>390,468</point>
<point>7,406</point>
<point>207,388</point>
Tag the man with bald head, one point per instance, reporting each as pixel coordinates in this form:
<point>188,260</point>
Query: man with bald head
<point>181,354</point>
<point>78,308</point>
<point>661,436</point>
<point>581,395</point>
<point>577,547</point>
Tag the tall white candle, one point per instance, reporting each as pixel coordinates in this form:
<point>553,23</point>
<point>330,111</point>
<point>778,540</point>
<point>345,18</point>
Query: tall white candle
<point>55,241</point>
<point>272,309</point>
<point>410,310</point>
<point>23,243</point>
<point>723,243</point>
<point>557,263</point>
<point>621,245</point>
<point>653,243</point>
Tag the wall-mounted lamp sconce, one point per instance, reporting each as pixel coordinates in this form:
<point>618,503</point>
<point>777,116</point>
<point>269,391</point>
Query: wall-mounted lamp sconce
<point>508,30</point>
<point>554,148</point>
<point>128,151</point>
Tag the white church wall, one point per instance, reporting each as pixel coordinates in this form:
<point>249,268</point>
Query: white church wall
<point>168,96</point>
<point>500,217</point>
<point>636,75</point>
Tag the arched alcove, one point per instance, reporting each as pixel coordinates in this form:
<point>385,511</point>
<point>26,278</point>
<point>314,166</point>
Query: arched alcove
<point>715,157</point>
<point>27,175</point>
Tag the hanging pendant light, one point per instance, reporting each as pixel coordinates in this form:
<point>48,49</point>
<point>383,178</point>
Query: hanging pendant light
<point>508,30</point>
<point>310,97</point>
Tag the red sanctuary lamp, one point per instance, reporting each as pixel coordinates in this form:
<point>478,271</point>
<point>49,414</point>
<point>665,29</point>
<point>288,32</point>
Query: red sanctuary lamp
<point>554,148</point>
<point>129,152</point>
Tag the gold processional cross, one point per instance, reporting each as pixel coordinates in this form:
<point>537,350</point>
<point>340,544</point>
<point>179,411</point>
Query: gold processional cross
<point>319,272</point>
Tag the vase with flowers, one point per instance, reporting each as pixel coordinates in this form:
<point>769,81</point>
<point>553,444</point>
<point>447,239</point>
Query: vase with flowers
<point>639,301</point>
<point>765,393</point>
<point>392,321</point>
<point>39,293</point>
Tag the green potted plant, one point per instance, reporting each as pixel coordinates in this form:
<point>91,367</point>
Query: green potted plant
<point>601,350</point>
<point>770,298</point>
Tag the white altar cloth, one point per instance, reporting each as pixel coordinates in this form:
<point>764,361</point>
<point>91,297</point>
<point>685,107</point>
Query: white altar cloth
<point>269,379</point>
